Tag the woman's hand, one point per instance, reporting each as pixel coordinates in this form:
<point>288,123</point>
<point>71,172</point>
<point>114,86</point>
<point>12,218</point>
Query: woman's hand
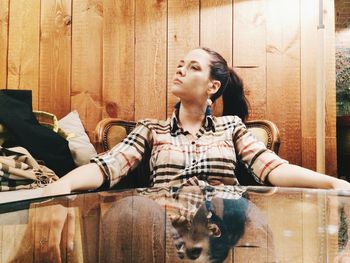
<point>50,224</point>
<point>339,184</point>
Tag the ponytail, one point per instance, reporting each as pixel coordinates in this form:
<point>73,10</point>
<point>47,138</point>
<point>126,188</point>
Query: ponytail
<point>231,89</point>
<point>234,100</point>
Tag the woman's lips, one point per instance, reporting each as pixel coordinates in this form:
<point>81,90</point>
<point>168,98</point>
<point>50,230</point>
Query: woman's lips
<point>177,81</point>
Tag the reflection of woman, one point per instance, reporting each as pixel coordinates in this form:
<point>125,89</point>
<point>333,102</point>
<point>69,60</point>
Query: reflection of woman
<point>195,151</point>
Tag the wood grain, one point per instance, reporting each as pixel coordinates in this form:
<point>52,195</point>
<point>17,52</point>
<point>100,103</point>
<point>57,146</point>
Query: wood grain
<point>23,47</point>
<point>309,22</point>
<point>183,36</point>
<point>313,214</point>
<point>119,59</point>
<point>214,15</point>
<point>87,57</point>
<point>55,56</point>
<point>150,58</point>
<point>254,245</point>
<point>283,75</point>
<point>4,23</point>
<point>249,52</point>
<point>285,218</point>
<point>330,80</point>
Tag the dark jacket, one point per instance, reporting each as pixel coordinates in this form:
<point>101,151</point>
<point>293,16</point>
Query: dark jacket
<point>42,143</point>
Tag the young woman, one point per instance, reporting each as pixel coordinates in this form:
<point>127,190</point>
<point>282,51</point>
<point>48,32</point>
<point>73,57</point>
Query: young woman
<point>193,153</point>
<point>201,77</point>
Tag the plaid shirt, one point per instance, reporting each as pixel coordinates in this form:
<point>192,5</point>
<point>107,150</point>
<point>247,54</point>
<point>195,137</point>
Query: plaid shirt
<point>204,163</point>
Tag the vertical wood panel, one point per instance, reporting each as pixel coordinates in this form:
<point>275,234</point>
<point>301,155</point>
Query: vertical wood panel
<point>283,74</point>
<point>331,226</point>
<point>213,15</point>
<point>313,242</point>
<point>150,58</point>
<point>285,218</point>
<point>249,57</point>
<point>23,54</point>
<point>119,58</point>
<point>90,212</point>
<point>183,35</point>
<point>75,205</point>
<point>86,94</point>
<point>3,42</point>
<point>256,240</point>
<point>55,56</point>
<point>331,141</point>
<point>309,23</point>
<point>8,241</point>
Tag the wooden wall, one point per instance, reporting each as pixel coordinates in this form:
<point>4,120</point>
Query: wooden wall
<point>117,57</point>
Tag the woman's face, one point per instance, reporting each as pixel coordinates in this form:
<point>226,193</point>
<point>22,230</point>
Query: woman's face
<point>191,82</point>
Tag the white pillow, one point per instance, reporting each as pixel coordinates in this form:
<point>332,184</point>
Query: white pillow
<point>80,146</point>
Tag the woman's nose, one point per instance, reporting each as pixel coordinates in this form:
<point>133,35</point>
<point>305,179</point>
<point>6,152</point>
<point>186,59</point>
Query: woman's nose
<point>181,71</point>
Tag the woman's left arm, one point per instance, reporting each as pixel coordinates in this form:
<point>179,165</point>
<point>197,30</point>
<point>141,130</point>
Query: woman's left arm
<point>295,176</point>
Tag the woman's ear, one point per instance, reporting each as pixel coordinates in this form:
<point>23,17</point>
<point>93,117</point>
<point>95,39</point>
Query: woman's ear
<point>214,86</point>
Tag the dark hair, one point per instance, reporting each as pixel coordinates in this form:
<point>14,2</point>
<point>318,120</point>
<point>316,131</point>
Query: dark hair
<point>231,89</point>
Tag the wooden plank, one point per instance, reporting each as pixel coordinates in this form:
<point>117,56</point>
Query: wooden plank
<point>287,234</point>
<point>309,23</point>
<point>118,58</point>
<point>41,240</point>
<point>283,74</point>
<point>8,242</point>
<point>330,80</point>
<point>87,66</point>
<point>313,239</point>
<point>23,47</point>
<point>214,15</point>
<point>254,244</point>
<point>55,56</point>
<point>249,57</point>
<point>116,226</point>
<point>148,234</point>
<point>183,36</point>
<point>74,221</point>
<point>331,227</point>
<point>4,12</point>
<point>150,54</point>
<point>217,14</point>
<point>90,213</point>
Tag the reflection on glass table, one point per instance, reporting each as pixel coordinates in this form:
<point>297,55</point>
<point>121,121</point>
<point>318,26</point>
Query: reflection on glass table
<point>269,224</point>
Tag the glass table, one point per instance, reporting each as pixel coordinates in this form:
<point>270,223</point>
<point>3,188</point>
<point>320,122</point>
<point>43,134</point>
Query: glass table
<point>285,225</point>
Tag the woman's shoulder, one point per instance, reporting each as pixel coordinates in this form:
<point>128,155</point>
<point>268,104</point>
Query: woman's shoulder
<point>228,119</point>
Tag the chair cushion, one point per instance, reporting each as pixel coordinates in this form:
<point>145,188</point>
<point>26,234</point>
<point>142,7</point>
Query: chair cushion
<point>115,135</point>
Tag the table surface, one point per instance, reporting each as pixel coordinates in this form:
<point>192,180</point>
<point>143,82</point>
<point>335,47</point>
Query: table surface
<point>304,225</point>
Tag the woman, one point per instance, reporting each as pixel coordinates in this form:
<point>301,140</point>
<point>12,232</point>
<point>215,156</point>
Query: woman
<point>202,76</point>
<point>194,152</point>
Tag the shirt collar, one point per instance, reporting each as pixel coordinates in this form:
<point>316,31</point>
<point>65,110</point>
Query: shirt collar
<point>174,121</point>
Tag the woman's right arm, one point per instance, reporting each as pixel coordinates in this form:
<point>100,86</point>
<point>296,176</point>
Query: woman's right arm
<point>85,177</point>
<point>106,168</point>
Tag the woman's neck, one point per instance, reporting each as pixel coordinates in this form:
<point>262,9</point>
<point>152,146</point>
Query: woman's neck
<point>191,116</point>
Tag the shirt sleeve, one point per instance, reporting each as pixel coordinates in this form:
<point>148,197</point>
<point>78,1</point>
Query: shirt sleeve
<point>125,156</point>
<point>254,153</point>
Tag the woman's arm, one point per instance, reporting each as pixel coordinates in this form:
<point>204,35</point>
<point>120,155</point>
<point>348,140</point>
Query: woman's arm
<point>109,167</point>
<point>295,176</point>
<point>86,177</point>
